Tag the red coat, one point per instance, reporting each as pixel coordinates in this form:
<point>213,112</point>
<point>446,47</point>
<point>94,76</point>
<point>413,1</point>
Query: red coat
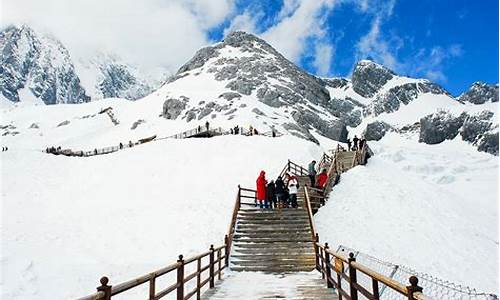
<point>322,179</point>
<point>261,186</point>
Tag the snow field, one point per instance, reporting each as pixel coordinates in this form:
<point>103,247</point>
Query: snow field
<point>432,208</point>
<point>68,221</point>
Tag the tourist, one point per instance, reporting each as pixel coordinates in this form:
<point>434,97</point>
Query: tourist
<point>355,141</point>
<point>271,195</point>
<point>261,189</point>
<point>322,179</point>
<point>312,172</point>
<point>280,190</point>
<point>293,188</point>
<point>207,125</point>
<point>348,145</point>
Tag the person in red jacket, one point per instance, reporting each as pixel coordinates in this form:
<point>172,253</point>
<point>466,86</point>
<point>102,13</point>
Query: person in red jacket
<point>322,179</point>
<point>261,189</point>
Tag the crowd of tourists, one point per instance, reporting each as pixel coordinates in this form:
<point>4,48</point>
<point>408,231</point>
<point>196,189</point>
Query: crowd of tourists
<point>282,192</point>
<point>355,144</point>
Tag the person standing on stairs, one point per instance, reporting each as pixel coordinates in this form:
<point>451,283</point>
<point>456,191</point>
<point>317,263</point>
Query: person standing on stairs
<point>271,195</point>
<point>355,140</point>
<point>322,179</point>
<point>348,145</point>
<point>280,190</point>
<point>207,125</point>
<point>293,188</point>
<point>312,172</point>
<point>261,189</point>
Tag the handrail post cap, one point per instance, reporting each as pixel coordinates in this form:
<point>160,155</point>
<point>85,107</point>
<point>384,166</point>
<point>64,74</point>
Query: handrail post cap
<point>413,280</point>
<point>212,247</point>
<point>104,281</point>
<point>326,246</point>
<point>181,258</point>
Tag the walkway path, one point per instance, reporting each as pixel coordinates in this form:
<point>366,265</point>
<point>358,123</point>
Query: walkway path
<point>256,285</point>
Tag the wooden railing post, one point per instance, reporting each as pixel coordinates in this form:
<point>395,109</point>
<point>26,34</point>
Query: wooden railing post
<point>288,166</point>
<point>219,264</point>
<point>317,252</point>
<point>328,269</point>
<point>226,251</point>
<point>104,287</point>
<point>352,277</point>
<point>212,279</point>
<point>376,293</point>
<point>180,278</point>
<point>152,288</point>
<point>413,288</point>
<point>198,279</point>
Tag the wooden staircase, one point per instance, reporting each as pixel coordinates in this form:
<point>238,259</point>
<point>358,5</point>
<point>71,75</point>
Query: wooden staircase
<point>273,241</point>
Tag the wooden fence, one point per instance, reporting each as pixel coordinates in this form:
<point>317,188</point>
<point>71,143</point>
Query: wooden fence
<point>218,260</point>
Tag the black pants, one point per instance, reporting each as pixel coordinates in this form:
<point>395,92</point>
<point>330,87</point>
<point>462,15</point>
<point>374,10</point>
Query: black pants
<point>293,200</point>
<point>313,180</point>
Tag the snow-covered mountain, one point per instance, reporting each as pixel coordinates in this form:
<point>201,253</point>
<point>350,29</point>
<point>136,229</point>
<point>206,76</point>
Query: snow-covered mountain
<point>244,81</point>
<point>37,67</point>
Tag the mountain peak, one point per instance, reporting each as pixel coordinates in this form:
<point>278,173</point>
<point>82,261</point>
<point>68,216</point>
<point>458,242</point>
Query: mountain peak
<point>368,77</point>
<point>480,92</point>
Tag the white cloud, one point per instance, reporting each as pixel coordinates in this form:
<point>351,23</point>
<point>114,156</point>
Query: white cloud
<point>323,59</point>
<point>289,35</point>
<point>149,32</point>
<point>244,22</point>
<point>374,45</point>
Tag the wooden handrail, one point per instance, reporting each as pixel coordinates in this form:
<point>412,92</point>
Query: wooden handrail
<point>412,292</point>
<point>106,292</point>
<point>232,225</point>
<point>310,213</point>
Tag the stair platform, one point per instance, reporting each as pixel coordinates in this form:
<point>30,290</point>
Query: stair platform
<point>258,285</point>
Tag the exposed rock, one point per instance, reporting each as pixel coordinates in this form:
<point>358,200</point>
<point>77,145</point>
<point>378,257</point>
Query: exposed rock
<point>137,123</point>
<point>402,94</point>
<point>440,126</point>
<point>336,83</point>
<point>345,111</point>
<point>375,131</point>
<point>229,96</point>
<point>474,127</point>
<point>335,130</point>
<point>34,126</point>
<point>258,112</point>
<point>368,77</point>
<point>489,143</point>
<point>415,127</point>
<point>300,132</point>
<point>173,107</point>
<point>480,93</point>
<point>63,123</point>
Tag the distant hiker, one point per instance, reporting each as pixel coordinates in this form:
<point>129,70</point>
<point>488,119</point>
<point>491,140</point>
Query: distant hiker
<point>207,125</point>
<point>280,190</point>
<point>271,195</point>
<point>255,131</point>
<point>199,128</point>
<point>361,143</point>
<point>236,129</point>
<point>322,179</point>
<point>293,189</point>
<point>121,146</point>
<point>261,189</point>
<point>355,140</point>
<point>273,133</point>
<point>348,145</point>
<point>130,144</point>
<point>251,129</point>
<point>312,172</point>
<point>95,151</point>
<point>231,131</point>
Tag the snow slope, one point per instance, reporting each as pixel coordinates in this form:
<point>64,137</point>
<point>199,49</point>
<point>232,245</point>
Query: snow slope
<point>432,208</point>
<point>68,221</point>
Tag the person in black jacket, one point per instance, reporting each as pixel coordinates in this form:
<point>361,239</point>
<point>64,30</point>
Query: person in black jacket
<point>271,195</point>
<point>280,190</point>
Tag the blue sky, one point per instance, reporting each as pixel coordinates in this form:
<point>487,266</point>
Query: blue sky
<point>452,42</point>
